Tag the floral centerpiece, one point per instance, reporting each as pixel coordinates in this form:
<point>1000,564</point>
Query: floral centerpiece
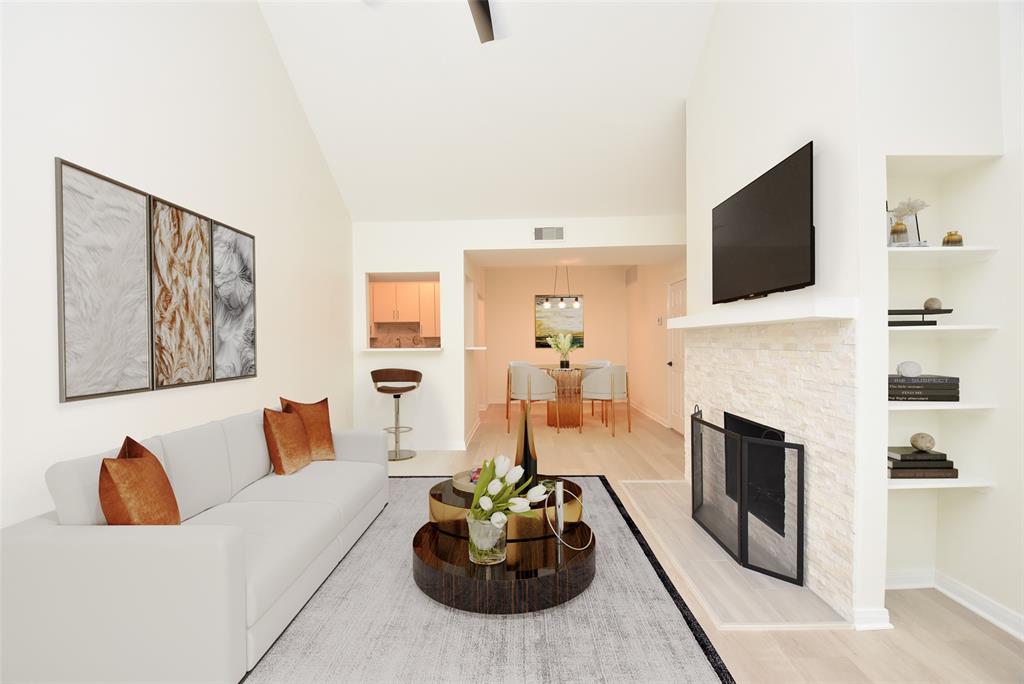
<point>563,343</point>
<point>497,495</point>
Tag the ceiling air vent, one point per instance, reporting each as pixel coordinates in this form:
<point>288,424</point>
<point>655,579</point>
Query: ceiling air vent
<point>549,233</point>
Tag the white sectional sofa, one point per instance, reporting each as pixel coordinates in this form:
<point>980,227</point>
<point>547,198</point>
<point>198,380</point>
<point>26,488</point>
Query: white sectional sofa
<point>203,601</point>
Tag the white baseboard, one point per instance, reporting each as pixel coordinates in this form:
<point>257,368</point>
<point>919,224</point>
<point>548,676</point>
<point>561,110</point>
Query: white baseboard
<point>865,619</point>
<point>917,578</point>
<point>660,420</point>
<point>471,434</point>
<point>999,615</point>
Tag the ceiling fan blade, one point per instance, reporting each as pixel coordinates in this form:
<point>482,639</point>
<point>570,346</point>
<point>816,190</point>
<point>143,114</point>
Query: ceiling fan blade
<point>481,10</point>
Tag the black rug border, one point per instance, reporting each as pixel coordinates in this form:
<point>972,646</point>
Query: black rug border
<point>710,652</point>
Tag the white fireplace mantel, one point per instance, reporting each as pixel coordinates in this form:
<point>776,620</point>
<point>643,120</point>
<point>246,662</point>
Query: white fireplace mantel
<point>766,312</point>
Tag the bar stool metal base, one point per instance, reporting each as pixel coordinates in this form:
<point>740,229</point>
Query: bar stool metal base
<point>398,453</point>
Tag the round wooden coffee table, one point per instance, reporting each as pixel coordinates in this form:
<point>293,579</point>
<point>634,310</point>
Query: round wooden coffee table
<point>536,574</point>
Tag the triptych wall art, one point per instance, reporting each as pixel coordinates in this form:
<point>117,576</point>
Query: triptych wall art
<point>150,295</point>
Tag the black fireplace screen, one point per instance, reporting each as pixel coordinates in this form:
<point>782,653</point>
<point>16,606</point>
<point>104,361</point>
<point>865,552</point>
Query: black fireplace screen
<point>748,494</point>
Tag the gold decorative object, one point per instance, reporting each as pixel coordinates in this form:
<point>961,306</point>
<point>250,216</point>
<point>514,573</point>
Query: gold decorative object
<point>953,239</point>
<point>898,232</point>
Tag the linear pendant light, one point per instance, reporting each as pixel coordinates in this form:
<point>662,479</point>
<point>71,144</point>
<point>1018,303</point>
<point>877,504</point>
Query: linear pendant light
<point>563,301</point>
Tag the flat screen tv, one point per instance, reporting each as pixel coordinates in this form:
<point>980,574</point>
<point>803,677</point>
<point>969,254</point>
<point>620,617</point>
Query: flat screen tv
<point>763,236</point>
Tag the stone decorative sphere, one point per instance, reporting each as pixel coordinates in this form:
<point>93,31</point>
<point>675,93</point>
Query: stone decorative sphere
<point>922,441</point>
<point>909,369</point>
<point>933,304</point>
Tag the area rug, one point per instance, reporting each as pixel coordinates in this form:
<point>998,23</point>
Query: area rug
<point>369,622</point>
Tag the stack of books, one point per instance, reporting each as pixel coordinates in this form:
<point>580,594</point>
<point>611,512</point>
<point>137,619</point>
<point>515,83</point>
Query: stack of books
<point>924,388</point>
<point>908,463</point>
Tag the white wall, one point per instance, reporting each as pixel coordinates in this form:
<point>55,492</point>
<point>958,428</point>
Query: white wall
<point>647,338</point>
<point>437,410</point>
<point>510,293</point>
<point>190,102</point>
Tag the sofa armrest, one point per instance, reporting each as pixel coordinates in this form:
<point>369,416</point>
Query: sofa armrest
<point>361,445</point>
<point>123,603</point>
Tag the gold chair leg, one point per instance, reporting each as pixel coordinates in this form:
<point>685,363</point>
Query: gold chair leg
<point>558,417</point>
<point>591,407</point>
<point>581,413</point>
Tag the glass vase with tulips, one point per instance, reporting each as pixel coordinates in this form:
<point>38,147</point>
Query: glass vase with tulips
<point>498,494</point>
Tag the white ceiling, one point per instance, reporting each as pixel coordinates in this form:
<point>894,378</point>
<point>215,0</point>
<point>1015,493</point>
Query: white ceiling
<point>578,256</point>
<point>575,110</point>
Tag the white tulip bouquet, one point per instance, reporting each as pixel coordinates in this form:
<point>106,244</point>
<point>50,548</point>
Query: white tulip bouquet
<point>497,495</point>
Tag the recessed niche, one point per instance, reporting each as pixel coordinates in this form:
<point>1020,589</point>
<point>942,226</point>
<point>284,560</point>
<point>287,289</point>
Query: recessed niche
<point>403,310</point>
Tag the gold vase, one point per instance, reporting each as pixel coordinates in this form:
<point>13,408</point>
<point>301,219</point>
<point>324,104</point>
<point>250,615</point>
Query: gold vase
<point>953,239</point>
<point>898,232</point>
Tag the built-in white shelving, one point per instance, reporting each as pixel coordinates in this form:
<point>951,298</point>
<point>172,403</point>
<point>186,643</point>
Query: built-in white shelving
<point>938,257</point>
<point>940,406</point>
<point>941,483</point>
<point>769,311</point>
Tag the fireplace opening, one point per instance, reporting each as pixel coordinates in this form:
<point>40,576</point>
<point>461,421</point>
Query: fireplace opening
<point>766,471</point>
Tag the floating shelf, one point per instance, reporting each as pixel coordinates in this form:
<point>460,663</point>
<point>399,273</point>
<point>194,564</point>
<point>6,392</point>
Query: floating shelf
<point>768,311</point>
<point>938,257</point>
<point>939,406</point>
<point>938,483</point>
<point>942,331</point>
<point>476,348</point>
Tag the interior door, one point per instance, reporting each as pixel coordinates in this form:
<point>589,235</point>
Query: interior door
<point>383,295</point>
<point>676,358</point>
<point>407,302</point>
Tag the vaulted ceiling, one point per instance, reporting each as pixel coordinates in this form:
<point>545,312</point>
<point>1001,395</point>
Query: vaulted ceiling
<point>576,109</point>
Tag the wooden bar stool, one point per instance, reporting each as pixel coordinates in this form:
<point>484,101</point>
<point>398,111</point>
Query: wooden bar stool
<point>396,382</point>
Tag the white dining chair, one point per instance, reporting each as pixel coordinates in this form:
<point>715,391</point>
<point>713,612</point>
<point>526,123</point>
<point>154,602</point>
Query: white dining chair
<point>588,368</point>
<point>528,384</point>
<point>608,385</point>
<point>508,386</point>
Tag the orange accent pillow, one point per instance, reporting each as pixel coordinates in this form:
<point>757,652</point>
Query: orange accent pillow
<point>317,420</point>
<point>286,441</point>
<point>134,489</point>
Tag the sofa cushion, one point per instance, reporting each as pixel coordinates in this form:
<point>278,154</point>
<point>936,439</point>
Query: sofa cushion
<point>287,442</point>
<point>196,460</point>
<point>348,486</point>
<point>134,489</point>
<point>247,449</point>
<point>281,540</point>
<point>74,486</point>
<point>316,418</point>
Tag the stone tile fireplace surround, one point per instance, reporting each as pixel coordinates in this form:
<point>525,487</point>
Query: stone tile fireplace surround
<point>799,377</point>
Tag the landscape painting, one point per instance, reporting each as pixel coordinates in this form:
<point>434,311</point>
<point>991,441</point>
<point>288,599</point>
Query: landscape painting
<point>103,285</point>
<point>182,296</point>
<point>234,303</point>
<point>551,321</point>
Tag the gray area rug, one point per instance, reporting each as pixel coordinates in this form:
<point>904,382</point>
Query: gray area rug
<point>369,622</point>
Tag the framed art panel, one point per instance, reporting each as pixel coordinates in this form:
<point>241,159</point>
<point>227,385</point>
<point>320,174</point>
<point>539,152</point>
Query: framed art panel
<point>234,303</point>
<point>102,285</point>
<point>552,320</point>
<point>182,295</point>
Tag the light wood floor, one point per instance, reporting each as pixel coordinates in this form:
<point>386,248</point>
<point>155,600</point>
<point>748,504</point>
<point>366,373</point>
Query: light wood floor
<point>934,640</point>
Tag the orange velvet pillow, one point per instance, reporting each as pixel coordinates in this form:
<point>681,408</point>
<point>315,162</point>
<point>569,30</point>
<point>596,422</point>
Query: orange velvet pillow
<point>134,489</point>
<point>286,441</point>
<point>317,420</point>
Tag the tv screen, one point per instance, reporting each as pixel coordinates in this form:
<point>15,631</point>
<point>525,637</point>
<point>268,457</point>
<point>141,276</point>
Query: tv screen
<point>763,236</point>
